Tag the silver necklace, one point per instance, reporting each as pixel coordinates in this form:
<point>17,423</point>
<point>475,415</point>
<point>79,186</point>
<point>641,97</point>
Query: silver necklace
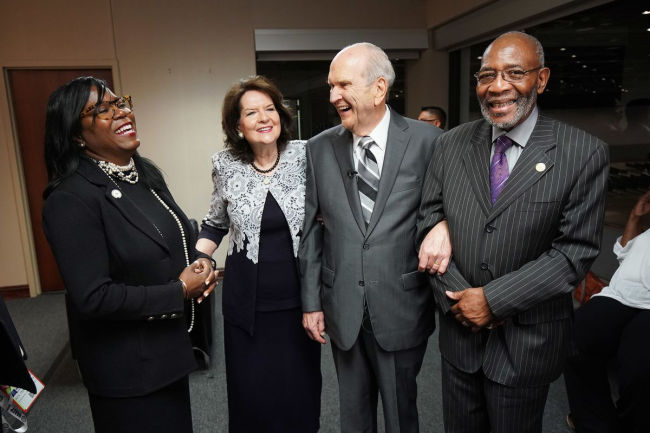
<point>127,173</point>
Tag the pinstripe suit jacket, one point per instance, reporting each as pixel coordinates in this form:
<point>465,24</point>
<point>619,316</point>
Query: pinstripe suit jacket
<point>527,251</point>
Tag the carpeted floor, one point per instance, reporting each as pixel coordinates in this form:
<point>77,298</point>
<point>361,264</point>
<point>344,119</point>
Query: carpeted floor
<point>63,406</point>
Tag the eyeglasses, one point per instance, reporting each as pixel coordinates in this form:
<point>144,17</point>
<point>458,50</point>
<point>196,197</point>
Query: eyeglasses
<point>513,75</point>
<point>106,110</point>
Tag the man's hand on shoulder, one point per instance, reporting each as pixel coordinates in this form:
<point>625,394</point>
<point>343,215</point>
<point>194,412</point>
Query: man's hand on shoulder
<point>435,250</point>
<point>314,324</point>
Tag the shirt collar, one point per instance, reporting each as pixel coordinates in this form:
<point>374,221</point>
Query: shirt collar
<point>380,134</point>
<point>521,133</point>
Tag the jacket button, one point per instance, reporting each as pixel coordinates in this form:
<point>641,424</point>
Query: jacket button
<point>484,266</point>
<point>366,246</point>
<point>163,316</point>
<point>489,228</point>
<point>173,316</point>
<point>361,283</point>
<point>150,318</point>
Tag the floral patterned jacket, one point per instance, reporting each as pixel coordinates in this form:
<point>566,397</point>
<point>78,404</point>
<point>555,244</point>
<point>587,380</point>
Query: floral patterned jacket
<point>239,195</point>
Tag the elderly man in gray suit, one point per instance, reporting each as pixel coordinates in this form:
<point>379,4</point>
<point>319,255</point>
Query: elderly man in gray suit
<point>358,257</point>
<point>524,197</point>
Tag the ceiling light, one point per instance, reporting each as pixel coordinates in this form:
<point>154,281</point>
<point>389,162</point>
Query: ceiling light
<point>562,49</point>
<point>645,13</point>
<point>573,56</point>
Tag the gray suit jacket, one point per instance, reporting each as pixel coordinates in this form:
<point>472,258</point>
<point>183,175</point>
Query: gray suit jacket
<point>341,260</point>
<point>527,251</point>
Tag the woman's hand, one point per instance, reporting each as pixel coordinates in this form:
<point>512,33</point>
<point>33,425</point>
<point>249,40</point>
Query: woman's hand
<point>199,278</point>
<point>211,282</point>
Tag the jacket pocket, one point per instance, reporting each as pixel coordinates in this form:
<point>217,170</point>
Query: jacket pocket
<point>405,186</point>
<point>413,280</point>
<point>327,277</point>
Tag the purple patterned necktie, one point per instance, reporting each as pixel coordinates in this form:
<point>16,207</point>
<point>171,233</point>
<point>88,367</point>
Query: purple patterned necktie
<point>499,170</point>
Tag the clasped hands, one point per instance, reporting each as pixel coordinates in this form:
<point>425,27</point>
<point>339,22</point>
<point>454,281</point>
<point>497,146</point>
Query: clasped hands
<point>199,279</point>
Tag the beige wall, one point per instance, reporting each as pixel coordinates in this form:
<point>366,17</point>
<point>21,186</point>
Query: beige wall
<point>176,59</point>
<point>440,12</point>
<point>39,33</point>
<point>427,82</point>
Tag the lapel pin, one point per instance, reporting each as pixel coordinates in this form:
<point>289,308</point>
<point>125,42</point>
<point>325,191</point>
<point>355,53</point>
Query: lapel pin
<point>116,193</point>
<point>540,166</point>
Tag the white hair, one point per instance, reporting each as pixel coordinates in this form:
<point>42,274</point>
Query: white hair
<point>378,63</point>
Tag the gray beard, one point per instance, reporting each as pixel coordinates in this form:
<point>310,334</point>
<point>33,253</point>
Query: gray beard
<point>525,104</point>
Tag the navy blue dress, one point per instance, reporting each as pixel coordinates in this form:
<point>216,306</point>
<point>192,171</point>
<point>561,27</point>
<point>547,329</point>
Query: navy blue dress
<point>272,367</point>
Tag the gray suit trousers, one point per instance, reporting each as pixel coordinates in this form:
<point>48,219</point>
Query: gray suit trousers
<point>366,369</point>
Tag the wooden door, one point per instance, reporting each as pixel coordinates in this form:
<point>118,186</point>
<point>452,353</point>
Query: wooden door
<point>29,91</point>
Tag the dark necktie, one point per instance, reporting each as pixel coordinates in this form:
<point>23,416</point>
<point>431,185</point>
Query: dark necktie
<point>499,170</point>
<point>368,178</point>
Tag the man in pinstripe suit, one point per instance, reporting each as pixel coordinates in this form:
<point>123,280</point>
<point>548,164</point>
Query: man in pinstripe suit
<point>525,223</point>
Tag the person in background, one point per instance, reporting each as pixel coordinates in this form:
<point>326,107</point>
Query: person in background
<point>359,265</point>
<point>125,251</point>
<point>433,115</point>
<point>272,368</point>
<point>524,198</point>
<point>613,326</point>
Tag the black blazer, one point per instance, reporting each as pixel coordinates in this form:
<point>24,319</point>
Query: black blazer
<point>126,304</point>
<point>12,366</point>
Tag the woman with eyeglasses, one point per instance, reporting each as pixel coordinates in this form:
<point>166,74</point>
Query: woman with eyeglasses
<point>125,251</point>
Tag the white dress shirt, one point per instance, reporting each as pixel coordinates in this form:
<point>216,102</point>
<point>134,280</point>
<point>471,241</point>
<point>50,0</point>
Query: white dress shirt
<point>520,134</point>
<point>379,136</point>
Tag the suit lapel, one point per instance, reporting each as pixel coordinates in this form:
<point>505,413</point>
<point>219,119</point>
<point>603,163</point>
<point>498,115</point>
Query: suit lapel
<point>342,143</point>
<point>533,163</point>
<point>396,144</point>
<point>477,165</point>
<point>117,198</point>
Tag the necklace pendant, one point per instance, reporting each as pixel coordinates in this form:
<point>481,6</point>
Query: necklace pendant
<point>267,181</point>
